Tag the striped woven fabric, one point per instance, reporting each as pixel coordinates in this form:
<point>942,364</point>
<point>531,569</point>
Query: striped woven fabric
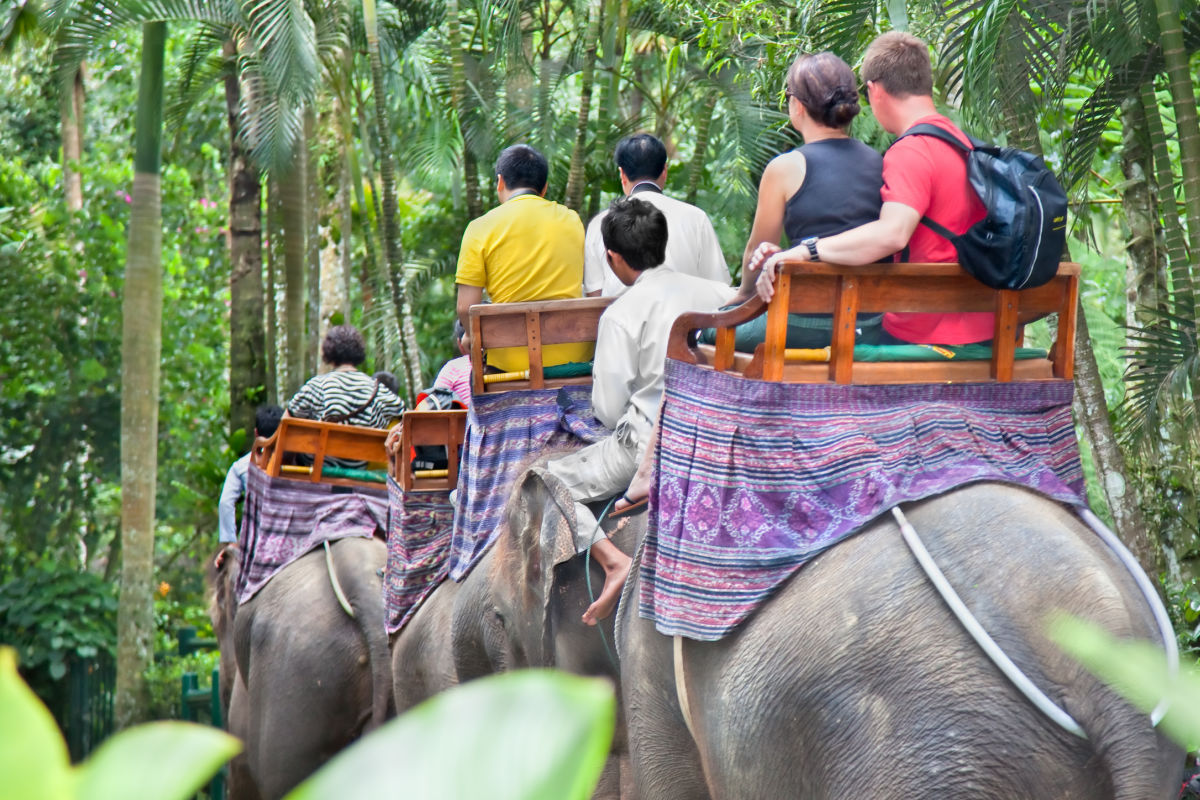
<point>418,542</point>
<point>756,478</point>
<point>505,431</point>
<point>284,519</point>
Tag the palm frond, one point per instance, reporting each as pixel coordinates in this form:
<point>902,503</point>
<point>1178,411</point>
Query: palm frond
<point>839,26</point>
<point>200,45</point>
<point>201,70</point>
<point>331,21</point>
<point>1164,362</point>
<point>285,38</point>
<point>1093,118</point>
<point>272,127</point>
<point>87,24</point>
<point>21,21</point>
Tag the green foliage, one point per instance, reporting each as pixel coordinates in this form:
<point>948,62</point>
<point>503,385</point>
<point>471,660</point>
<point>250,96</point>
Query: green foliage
<point>51,615</point>
<point>171,614</point>
<point>1183,604</point>
<point>532,735</point>
<point>160,761</point>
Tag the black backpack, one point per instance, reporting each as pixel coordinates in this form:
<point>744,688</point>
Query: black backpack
<point>1019,243</point>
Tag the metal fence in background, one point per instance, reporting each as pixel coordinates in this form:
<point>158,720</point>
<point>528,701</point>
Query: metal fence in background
<point>87,719</point>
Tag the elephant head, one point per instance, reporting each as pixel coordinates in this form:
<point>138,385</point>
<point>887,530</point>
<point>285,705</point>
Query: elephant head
<point>540,586</point>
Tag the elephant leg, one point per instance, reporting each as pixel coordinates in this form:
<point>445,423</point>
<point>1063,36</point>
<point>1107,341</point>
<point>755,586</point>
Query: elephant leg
<point>241,785</point>
<point>666,763</point>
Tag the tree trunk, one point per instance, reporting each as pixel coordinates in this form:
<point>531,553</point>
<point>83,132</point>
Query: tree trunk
<point>577,174</point>
<point>410,354</point>
<point>71,108</point>
<point>293,206</point>
<point>272,244</point>
<point>141,347</point>
<point>247,344</point>
<point>471,193</point>
<point>313,249</point>
<point>1091,412</point>
<point>345,199</point>
<point>1182,290</point>
<point>1183,99</point>
<point>1141,216</point>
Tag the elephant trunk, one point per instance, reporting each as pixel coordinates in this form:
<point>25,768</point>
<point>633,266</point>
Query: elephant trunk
<point>222,584</point>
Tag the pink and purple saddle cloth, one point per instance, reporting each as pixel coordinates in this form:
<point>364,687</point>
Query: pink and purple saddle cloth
<point>756,478</point>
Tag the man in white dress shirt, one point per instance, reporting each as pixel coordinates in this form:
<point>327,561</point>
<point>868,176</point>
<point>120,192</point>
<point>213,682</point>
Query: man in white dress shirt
<point>692,248</point>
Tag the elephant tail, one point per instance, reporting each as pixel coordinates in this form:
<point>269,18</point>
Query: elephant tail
<point>358,582</point>
<point>1141,761</point>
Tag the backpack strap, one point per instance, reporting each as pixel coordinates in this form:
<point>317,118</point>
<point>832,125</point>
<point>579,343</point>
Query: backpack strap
<point>926,129</point>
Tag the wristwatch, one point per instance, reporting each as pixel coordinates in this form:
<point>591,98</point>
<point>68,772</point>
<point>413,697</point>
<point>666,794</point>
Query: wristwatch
<point>811,244</point>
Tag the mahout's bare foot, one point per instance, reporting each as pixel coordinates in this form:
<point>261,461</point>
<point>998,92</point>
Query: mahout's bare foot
<point>616,569</point>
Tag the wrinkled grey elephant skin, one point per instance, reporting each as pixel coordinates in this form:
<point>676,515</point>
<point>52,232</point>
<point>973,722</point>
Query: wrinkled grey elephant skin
<point>517,608</point>
<point>304,678</point>
<point>855,679</point>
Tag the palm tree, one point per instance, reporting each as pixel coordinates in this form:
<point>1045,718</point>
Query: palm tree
<point>26,20</point>
<point>410,356</point>
<point>141,346</point>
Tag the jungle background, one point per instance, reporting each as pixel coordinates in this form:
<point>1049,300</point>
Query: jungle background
<point>191,191</point>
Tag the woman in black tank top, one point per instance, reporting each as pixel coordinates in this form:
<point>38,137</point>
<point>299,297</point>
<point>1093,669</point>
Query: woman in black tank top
<point>828,186</point>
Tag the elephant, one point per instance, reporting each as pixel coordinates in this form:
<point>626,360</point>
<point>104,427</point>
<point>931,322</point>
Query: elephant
<point>302,677</point>
<point>855,679</point>
<point>538,589</point>
<point>520,606</point>
<point>453,637</point>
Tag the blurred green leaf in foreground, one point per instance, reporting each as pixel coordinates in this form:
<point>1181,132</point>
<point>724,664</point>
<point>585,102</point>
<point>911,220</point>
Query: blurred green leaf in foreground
<point>1137,670</point>
<point>525,735</point>
<point>159,761</point>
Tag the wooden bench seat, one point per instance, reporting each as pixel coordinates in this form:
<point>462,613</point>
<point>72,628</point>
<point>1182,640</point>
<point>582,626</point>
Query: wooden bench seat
<point>533,326</point>
<point>320,440</point>
<point>808,288</point>
<point>446,429</point>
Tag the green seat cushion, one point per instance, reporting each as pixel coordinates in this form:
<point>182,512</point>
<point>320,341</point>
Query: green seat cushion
<point>572,369</point>
<point>370,475</point>
<point>929,352</point>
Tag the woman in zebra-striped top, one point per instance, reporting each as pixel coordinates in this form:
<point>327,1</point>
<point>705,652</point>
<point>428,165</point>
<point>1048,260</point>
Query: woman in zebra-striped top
<point>345,394</point>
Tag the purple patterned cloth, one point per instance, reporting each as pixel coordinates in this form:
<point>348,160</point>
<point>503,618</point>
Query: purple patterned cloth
<point>418,542</point>
<point>505,431</point>
<point>756,478</point>
<point>286,518</point>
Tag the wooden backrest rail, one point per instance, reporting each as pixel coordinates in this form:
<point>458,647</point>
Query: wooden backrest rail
<point>321,440</point>
<point>805,288</point>
<point>532,326</point>
<point>446,429</point>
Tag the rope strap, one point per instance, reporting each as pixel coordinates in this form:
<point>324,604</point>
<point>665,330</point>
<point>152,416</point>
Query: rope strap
<point>981,637</point>
<point>333,581</point>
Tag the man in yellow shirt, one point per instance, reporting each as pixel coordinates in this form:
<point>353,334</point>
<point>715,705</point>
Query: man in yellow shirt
<point>527,248</point>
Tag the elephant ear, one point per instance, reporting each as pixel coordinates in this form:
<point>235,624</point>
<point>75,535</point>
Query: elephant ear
<point>544,540</point>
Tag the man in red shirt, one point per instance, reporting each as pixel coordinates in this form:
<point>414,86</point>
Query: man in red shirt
<point>922,177</point>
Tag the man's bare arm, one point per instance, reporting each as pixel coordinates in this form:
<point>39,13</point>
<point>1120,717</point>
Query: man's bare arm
<point>865,244</point>
<point>868,243</point>
<point>467,296</point>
